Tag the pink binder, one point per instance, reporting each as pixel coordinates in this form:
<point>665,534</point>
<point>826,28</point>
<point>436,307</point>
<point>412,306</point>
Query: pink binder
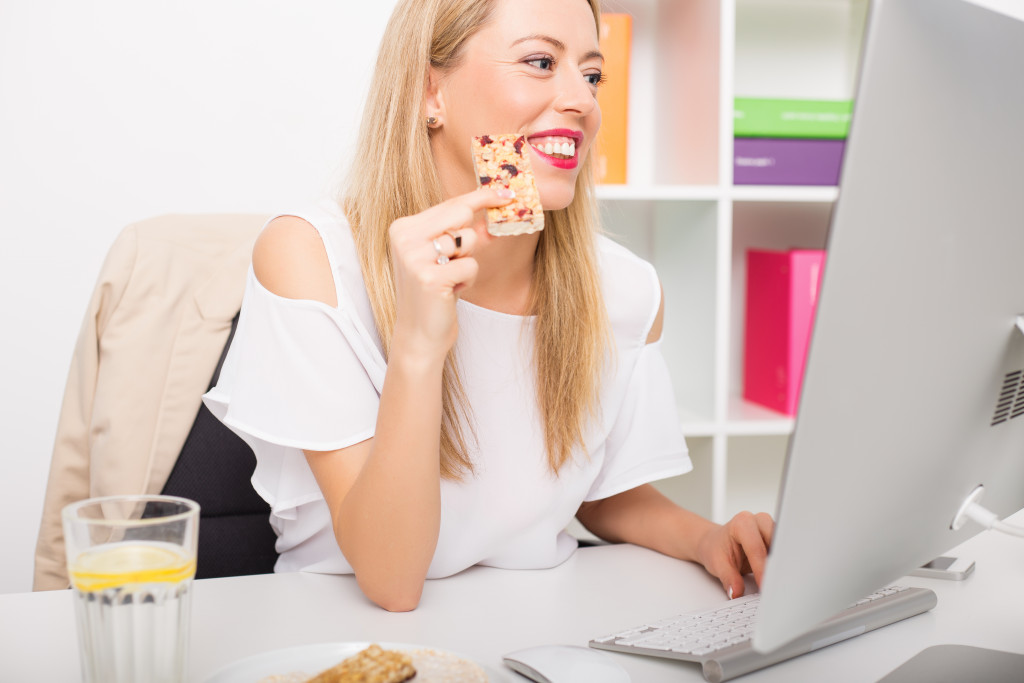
<point>782,292</point>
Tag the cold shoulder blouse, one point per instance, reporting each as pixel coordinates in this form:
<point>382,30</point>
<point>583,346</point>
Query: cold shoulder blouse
<point>304,375</point>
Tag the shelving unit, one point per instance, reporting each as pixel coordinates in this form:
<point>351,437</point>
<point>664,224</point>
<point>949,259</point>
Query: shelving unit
<point>681,211</point>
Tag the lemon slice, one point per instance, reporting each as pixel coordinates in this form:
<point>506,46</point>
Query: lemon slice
<point>121,564</point>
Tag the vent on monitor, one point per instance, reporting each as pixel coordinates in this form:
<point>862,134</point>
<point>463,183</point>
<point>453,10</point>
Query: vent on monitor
<point>1010,403</point>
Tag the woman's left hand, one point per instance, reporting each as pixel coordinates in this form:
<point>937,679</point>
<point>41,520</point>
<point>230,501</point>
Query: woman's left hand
<point>738,547</point>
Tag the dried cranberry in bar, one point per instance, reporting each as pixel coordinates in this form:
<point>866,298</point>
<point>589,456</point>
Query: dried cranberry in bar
<point>501,161</point>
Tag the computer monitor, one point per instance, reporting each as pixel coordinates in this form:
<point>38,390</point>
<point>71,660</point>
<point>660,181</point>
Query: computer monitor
<point>913,393</point>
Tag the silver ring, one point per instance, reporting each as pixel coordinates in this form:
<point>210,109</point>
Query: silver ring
<point>442,258</point>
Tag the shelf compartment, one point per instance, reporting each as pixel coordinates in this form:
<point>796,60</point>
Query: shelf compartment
<point>798,49</point>
<point>680,239</point>
<point>673,90</point>
<point>767,225</point>
<point>754,474</point>
<point>693,490</point>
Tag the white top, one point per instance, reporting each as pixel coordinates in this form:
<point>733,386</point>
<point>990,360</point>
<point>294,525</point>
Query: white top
<point>303,375</point>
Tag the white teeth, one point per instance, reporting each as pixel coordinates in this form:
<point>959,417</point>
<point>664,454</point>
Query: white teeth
<point>567,149</point>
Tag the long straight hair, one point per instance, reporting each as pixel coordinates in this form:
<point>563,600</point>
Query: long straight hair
<point>393,175</point>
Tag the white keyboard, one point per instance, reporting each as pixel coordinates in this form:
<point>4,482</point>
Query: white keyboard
<point>720,638</point>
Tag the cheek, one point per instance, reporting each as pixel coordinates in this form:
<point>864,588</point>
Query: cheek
<point>504,103</point>
<point>485,107</point>
<point>509,109</point>
<point>591,126</point>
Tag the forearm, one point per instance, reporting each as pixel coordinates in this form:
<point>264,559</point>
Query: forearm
<point>645,517</point>
<point>387,525</point>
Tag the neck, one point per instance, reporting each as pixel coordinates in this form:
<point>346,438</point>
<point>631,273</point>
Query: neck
<point>505,276</point>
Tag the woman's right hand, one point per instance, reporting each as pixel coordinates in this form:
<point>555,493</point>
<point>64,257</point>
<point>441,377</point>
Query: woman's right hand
<point>426,286</point>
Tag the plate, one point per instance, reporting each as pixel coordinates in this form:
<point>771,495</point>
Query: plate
<point>311,659</point>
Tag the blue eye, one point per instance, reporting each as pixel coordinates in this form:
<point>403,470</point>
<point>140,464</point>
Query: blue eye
<point>595,79</point>
<point>544,63</point>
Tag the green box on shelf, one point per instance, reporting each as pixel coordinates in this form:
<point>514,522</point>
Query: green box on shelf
<point>755,117</point>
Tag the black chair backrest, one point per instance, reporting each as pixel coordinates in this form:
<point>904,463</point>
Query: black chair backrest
<point>214,469</point>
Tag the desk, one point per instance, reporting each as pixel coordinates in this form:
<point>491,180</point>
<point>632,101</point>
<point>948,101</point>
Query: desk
<point>485,612</point>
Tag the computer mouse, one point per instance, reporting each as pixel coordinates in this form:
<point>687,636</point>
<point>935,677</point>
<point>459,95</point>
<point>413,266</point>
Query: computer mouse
<point>566,664</point>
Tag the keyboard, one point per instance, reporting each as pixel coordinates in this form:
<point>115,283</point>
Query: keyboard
<point>719,638</point>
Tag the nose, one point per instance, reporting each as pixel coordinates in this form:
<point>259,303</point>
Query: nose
<point>575,95</point>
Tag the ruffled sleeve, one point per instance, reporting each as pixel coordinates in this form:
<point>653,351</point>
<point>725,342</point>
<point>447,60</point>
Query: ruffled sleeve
<point>299,375</point>
<point>645,442</point>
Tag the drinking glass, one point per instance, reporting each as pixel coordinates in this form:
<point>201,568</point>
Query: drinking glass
<point>131,560</point>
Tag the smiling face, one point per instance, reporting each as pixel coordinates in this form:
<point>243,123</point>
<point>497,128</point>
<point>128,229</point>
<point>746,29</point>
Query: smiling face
<point>533,69</point>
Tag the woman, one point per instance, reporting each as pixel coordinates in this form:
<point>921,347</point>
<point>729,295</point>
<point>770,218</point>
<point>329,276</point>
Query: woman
<point>523,381</point>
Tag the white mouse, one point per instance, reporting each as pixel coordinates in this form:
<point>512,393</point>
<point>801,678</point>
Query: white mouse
<point>566,664</point>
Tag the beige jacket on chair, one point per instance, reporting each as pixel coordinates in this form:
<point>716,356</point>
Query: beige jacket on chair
<point>156,325</point>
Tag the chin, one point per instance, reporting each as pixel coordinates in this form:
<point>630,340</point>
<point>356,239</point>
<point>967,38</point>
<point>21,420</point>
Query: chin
<point>556,198</point>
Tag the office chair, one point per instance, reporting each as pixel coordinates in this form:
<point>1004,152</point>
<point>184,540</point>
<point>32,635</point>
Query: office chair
<point>214,469</point>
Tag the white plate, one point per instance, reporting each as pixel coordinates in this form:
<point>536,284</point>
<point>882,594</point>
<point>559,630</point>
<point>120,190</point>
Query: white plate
<point>310,659</point>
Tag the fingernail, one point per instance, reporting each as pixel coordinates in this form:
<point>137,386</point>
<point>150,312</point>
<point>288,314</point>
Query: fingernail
<point>730,592</point>
<point>506,193</point>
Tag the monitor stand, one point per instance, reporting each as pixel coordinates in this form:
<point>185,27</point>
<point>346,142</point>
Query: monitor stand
<point>958,663</point>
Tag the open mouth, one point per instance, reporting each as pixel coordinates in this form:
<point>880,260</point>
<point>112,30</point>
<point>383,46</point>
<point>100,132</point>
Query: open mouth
<point>557,146</point>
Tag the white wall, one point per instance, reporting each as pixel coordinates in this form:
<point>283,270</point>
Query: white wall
<point>116,110</point>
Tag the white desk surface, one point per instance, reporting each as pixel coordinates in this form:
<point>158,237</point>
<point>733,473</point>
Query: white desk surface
<point>484,613</point>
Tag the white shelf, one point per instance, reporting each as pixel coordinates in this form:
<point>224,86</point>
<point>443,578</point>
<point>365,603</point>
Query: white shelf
<point>750,419</point>
<point>697,426</point>
<point>681,211</point>
<point>638,192</point>
<point>783,193</point>
<point>744,419</point>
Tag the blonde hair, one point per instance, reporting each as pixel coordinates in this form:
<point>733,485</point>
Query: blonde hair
<point>571,325</point>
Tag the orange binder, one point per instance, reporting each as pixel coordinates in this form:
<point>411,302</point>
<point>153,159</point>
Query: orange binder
<point>613,97</point>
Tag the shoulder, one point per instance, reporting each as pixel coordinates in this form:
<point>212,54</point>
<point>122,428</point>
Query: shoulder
<point>631,289</point>
<point>291,257</point>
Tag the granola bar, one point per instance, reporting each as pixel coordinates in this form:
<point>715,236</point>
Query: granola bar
<point>502,161</point>
<point>372,665</point>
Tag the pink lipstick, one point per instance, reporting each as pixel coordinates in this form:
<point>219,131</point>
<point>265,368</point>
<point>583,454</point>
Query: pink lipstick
<point>557,146</point>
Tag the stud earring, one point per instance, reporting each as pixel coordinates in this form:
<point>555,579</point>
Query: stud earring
<point>431,122</point>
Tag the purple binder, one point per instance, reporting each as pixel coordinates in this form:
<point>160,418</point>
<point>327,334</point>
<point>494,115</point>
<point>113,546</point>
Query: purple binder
<point>771,161</point>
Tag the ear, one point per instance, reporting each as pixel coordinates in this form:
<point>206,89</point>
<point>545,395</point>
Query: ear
<point>433,95</point>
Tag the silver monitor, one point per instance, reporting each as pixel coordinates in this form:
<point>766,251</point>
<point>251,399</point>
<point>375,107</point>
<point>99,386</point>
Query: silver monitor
<point>913,393</point>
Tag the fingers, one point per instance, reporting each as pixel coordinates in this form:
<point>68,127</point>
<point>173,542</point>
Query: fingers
<point>447,231</point>
<point>460,273</point>
<point>486,198</point>
<point>453,244</point>
<point>732,583</point>
<point>766,525</point>
<point>736,548</point>
<point>455,214</point>
<point>753,535</point>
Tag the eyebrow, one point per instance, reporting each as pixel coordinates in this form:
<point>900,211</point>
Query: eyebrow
<point>557,44</point>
